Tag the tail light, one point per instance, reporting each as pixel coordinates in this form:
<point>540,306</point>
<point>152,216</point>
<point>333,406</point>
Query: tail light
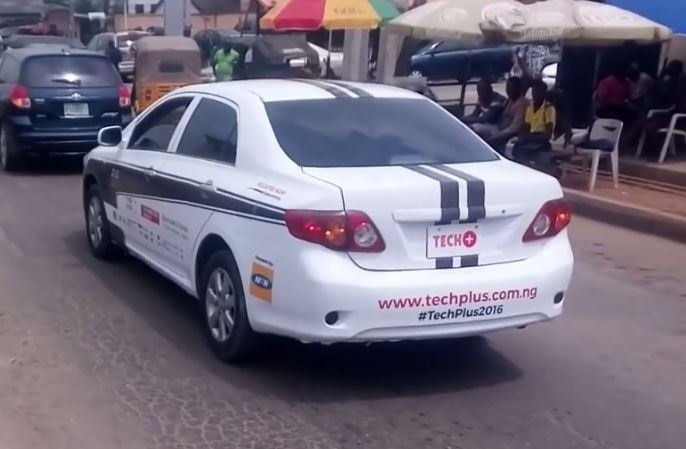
<point>20,98</point>
<point>124,97</point>
<point>553,217</point>
<point>350,231</point>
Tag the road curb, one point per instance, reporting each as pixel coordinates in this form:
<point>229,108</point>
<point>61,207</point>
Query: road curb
<point>627,215</point>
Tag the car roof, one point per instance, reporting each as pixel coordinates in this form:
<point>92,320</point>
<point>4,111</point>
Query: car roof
<point>270,90</point>
<point>49,50</point>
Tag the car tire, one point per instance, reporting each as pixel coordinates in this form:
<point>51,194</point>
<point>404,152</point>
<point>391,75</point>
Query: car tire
<point>10,159</point>
<point>97,225</point>
<point>224,313</point>
<point>416,74</point>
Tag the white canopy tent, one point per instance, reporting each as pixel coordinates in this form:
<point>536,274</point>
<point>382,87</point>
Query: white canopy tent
<point>569,22</point>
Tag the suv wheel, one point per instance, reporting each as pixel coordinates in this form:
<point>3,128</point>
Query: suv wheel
<point>9,157</point>
<point>97,226</point>
<point>224,311</point>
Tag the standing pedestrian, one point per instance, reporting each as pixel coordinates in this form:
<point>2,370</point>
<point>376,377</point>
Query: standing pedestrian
<point>113,54</point>
<point>225,61</point>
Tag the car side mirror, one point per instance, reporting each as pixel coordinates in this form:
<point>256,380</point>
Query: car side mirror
<point>110,136</point>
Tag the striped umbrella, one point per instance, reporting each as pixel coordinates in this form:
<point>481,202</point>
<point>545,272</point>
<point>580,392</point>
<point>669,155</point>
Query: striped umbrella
<point>310,15</point>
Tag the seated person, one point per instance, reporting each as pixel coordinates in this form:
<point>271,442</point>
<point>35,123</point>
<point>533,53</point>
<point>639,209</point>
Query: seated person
<point>669,96</point>
<point>641,85</point>
<point>490,106</point>
<point>539,125</point>
<point>510,123</point>
<point>613,97</point>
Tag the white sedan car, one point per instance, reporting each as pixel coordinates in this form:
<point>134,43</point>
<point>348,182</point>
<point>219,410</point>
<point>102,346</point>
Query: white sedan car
<point>328,212</point>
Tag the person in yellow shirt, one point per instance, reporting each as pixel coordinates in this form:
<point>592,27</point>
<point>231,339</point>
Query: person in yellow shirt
<point>538,127</point>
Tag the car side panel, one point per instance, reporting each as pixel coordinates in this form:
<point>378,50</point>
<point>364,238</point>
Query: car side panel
<point>265,247</point>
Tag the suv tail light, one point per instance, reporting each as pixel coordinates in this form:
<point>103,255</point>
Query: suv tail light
<point>124,97</point>
<point>350,231</point>
<point>20,98</point>
<point>553,217</point>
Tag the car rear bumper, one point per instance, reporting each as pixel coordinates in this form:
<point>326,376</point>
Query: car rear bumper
<point>399,305</point>
<point>56,140</point>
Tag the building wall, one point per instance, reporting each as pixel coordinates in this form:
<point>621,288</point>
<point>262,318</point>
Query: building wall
<point>198,21</point>
<point>146,5</point>
<point>190,7</point>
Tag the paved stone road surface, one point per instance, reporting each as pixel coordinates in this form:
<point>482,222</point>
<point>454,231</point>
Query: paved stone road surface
<point>110,356</point>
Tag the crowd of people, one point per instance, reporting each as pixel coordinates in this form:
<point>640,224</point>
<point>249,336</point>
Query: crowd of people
<point>528,126</point>
<point>629,95</point>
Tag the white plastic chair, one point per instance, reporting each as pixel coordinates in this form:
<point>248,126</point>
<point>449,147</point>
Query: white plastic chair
<point>602,142</point>
<point>651,113</point>
<point>671,131</point>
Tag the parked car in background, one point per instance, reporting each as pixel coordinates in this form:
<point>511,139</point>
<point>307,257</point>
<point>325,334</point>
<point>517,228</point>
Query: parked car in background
<point>549,75</point>
<point>123,40</point>
<point>336,59</point>
<point>446,60</point>
<point>23,41</point>
<point>55,100</point>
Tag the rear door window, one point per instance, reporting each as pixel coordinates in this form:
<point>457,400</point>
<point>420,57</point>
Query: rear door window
<point>364,132</point>
<point>211,133</point>
<point>69,71</point>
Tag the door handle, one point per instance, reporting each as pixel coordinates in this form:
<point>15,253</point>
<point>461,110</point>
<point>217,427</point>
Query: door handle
<point>206,188</point>
<point>149,173</point>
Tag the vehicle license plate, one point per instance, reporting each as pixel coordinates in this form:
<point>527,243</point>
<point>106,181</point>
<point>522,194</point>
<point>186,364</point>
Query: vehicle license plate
<point>76,110</point>
<point>452,240</point>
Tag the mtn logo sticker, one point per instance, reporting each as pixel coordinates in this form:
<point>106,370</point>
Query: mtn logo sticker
<point>261,281</point>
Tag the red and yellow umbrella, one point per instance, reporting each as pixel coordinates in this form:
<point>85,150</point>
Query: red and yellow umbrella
<point>309,15</point>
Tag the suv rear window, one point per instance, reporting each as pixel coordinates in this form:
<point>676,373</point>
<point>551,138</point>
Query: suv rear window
<point>364,132</point>
<point>66,71</point>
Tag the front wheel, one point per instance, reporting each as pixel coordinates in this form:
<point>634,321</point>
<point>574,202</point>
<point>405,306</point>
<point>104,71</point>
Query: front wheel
<point>226,322</point>
<point>97,226</point>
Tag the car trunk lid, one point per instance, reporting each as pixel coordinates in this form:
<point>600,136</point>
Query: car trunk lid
<point>444,216</point>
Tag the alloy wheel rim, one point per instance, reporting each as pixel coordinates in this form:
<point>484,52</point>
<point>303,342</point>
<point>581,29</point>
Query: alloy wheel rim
<point>95,222</point>
<point>220,305</point>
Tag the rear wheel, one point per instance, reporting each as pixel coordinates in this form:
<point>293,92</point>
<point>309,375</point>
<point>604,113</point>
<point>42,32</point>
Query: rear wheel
<point>224,311</point>
<point>10,158</point>
<point>97,225</point>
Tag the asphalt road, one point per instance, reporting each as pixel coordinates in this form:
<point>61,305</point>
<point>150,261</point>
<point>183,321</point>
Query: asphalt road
<point>110,356</point>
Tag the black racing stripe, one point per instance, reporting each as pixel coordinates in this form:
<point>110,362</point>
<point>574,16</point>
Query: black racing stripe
<point>469,261</point>
<point>201,206</point>
<point>167,187</point>
<point>476,192</point>
<point>450,194</point>
<point>226,192</point>
<point>354,89</point>
<point>444,262</point>
<point>333,90</point>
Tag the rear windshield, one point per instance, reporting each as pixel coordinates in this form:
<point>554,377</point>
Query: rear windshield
<point>363,132</point>
<point>65,71</point>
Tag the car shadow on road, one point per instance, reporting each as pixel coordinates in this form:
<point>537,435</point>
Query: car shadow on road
<point>51,165</point>
<point>298,372</point>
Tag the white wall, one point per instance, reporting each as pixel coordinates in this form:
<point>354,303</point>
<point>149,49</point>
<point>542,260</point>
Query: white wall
<point>190,8</point>
<point>147,5</point>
